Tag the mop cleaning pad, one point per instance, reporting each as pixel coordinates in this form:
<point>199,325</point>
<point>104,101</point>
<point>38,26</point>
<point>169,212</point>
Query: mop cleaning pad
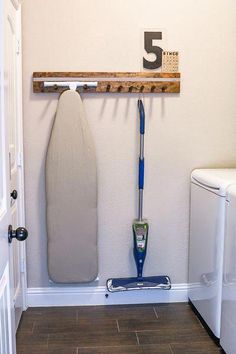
<point>71,195</point>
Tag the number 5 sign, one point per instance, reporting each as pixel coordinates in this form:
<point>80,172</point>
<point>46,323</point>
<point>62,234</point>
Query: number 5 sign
<point>152,44</point>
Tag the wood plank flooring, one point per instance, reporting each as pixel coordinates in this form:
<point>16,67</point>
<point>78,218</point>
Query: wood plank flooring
<point>126,329</point>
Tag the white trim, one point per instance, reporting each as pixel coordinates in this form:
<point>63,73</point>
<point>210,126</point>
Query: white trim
<point>8,307</point>
<point>21,200</point>
<point>85,296</point>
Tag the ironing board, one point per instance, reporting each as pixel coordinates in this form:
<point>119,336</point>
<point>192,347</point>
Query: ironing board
<point>71,195</point>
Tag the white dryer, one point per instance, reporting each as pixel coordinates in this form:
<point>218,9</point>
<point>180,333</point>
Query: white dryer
<point>207,219</point>
<point>228,317</point>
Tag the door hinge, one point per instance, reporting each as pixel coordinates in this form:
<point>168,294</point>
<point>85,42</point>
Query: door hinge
<point>18,46</point>
<point>19,159</point>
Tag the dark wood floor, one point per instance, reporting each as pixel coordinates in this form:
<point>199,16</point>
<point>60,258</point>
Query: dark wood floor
<point>131,329</point>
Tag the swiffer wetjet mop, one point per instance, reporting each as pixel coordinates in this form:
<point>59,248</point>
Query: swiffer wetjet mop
<point>140,236</point>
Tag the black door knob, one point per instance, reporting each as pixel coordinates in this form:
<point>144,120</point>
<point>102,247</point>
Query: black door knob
<point>20,234</point>
<point>14,194</point>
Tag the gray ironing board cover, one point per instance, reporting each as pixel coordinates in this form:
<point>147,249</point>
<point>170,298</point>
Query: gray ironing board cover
<point>71,195</point>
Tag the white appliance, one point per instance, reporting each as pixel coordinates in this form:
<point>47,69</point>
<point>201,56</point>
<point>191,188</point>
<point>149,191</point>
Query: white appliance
<point>207,218</point>
<point>228,316</point>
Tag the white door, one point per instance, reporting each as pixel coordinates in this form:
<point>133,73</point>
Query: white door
<point>13,112</point>
<point>10,176</point>
<point>7,328</point>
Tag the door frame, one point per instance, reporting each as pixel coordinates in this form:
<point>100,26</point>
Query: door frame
<point>20,154</point>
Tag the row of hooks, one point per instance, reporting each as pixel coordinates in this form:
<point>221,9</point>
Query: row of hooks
<point>134,88</point>
<point>93,82</point>
<point>119,88</point>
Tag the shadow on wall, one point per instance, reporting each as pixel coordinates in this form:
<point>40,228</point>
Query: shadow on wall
<point>148,102</point>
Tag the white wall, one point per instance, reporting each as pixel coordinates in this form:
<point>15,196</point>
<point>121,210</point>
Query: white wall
<point>192,130</point>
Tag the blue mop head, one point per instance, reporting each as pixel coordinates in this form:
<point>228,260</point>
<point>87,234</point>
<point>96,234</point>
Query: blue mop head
<point>144,283</point>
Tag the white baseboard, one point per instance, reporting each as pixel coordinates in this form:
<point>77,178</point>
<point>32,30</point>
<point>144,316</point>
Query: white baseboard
<point>85,296</point>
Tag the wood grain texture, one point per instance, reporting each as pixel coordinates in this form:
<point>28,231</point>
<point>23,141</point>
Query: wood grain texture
<point>120,82</point>
<point>38,350</point>
<point>174,335</point>
<point>83,74</point>
<point>124,329</point>
<point>118,312</point>
<point>169,315</point>
<point>91,339</point>
<point>147,349</point>
<point>195,348</point>
<point>115,87</point>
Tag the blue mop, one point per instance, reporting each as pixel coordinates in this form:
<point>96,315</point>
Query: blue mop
<point>140,236</point>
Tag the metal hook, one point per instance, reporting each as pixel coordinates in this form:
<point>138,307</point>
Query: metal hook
<point>153,88</point>
<point>163,88</point>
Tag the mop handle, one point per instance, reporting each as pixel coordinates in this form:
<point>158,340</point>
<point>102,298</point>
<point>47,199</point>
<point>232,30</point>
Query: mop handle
<point>141,158</point>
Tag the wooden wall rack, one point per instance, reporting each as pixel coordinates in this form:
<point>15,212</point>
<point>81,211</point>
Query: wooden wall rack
<point>110,82</point>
